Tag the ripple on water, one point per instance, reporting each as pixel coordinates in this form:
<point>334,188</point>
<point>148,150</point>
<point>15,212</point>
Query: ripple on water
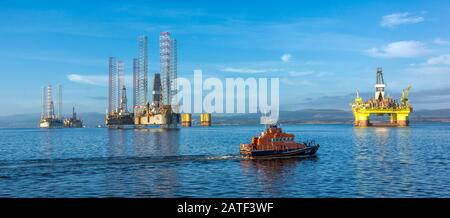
<point>204,162</point>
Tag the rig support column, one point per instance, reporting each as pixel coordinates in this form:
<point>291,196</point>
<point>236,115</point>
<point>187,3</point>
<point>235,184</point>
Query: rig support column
<point>393,118</point>
<point>403,119</point>
<point>205,119</point>
<point>363,119</point>
<point>186,120</point>
<point>355,115</point>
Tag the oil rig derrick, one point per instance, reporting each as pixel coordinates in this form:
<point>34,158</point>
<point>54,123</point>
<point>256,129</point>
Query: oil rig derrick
<point>381,104</point>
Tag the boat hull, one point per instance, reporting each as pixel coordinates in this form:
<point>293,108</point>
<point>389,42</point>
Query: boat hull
<point>308,151</point>
<point>51,124</point>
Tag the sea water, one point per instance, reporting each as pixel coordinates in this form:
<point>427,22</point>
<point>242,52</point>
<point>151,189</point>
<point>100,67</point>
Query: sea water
<point>205,162</point>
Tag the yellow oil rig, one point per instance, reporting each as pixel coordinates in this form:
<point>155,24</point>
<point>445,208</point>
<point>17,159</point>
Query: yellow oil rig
<point>382,105</point>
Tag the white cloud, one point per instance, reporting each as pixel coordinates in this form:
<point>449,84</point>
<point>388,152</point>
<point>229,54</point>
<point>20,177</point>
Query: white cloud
<point>439,41</point>
<point>395,19</point>
<point>248,70</point>
<point>91,80</point>
<point>286,57</point>
<point>431,70</point>
<point>442,59</point>
<point>400,49</point>
<point>322,74</point>
<point>291,82</point>
<point>313,62</point>
<point>288,82</point>
<point>98,80</point>
<point>300,73</point>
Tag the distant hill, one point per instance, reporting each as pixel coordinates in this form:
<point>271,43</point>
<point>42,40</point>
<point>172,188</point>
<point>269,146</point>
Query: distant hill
<point>20,121</point>
<point>93,119</point>
<point>300,116</point>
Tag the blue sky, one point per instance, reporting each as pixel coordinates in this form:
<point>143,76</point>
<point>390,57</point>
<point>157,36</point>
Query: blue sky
<point>322,51</point>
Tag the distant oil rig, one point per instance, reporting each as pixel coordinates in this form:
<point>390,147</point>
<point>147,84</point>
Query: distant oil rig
<point>50,118</point>
<point>73,122</point>
<point>381,104</point>
<point>53,119</point>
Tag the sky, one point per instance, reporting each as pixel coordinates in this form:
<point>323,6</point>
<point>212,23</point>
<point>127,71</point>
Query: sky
<point>322,51</point>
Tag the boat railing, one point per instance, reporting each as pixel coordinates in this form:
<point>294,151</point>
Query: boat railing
<point>310,143</point>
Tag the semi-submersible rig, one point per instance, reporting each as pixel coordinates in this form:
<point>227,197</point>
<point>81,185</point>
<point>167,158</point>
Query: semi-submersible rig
<point>382,105</point>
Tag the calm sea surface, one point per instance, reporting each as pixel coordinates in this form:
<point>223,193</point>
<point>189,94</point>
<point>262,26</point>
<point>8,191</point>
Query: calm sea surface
<point>204,162</point>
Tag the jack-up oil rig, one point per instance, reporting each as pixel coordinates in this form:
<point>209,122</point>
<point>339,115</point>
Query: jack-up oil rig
<point>381,105</point>
<point>50,118</point>
<point>160,111</point>
<point>118,114</point>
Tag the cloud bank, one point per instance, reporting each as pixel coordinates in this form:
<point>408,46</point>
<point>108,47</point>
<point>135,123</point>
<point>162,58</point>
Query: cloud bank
<point>97,80</point>
<point>248,70</point>
<point>442,59</point>
<point>400,49</point>
<point>396,19</point>
<point>91,80</point>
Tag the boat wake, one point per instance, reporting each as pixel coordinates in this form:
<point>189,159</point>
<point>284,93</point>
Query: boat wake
<point>123,160</point>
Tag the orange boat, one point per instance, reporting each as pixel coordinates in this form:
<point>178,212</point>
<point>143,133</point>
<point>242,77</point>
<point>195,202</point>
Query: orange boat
<point>273,142</point>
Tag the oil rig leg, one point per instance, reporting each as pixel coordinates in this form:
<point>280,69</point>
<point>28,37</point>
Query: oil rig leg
<point>205,119</point>
<point>356,122</point>
<point>364,120</point>
<point>186,120</point>
<point>393,119</point>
